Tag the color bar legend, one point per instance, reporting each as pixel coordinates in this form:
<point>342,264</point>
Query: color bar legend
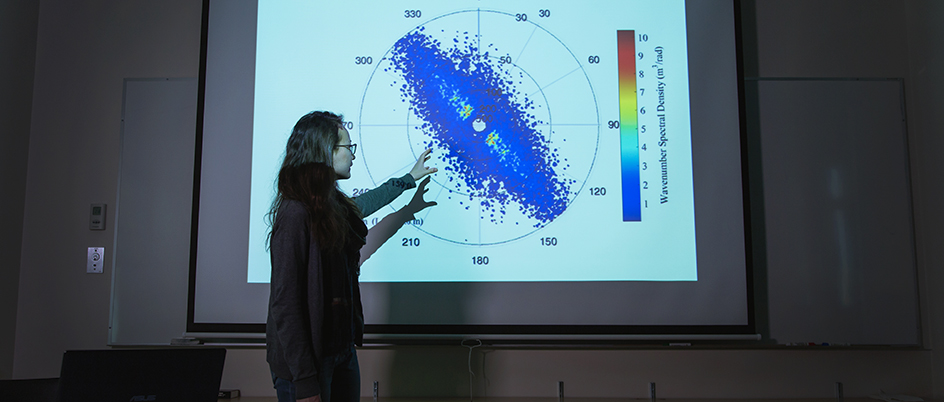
<point>629,132</point>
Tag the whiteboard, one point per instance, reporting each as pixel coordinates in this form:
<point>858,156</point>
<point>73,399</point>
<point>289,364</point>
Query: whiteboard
<point>151,253</point>
<point>838,212</point>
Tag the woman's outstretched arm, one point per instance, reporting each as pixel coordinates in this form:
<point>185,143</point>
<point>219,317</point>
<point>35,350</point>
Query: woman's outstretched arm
<point>373,200</point>
<point>390,224</point>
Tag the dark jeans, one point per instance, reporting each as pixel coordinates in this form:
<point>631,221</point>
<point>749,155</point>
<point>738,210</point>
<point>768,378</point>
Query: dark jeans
<point>340,379</point>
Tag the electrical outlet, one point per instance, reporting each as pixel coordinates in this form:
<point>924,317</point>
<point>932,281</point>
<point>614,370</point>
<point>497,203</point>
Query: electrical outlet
<point>96,259</point>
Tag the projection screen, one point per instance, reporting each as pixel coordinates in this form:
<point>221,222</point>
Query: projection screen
<point>590,168</point>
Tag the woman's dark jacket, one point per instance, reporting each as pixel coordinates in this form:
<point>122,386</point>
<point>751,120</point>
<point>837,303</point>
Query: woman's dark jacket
<point>314,300</point>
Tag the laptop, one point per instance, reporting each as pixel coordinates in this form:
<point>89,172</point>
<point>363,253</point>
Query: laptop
<point>141,375</point>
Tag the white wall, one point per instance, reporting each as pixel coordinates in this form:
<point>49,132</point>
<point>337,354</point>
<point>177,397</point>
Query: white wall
<point>18,47</point>
<point>85,49</point>
<point>925,97</point>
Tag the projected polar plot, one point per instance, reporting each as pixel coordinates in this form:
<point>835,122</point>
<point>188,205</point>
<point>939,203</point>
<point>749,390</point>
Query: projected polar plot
<point>508,111</point>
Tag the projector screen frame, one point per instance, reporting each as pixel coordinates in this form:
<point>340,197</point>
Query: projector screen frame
<point>516,334</point>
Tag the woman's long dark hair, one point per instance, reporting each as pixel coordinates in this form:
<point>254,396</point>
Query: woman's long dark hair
<point>308,176</point>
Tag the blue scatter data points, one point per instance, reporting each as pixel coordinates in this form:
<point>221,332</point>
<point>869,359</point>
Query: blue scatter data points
<point>471,110</point>
<point>479,89</point>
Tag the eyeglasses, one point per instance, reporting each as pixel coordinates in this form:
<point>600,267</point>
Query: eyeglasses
<point>352,147</point>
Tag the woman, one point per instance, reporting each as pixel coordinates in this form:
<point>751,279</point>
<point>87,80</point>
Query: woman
<point>315,317</point>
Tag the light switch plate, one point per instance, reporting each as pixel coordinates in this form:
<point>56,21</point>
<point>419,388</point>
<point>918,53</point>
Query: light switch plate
<point>97,217</point>
<point>96,259</point>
